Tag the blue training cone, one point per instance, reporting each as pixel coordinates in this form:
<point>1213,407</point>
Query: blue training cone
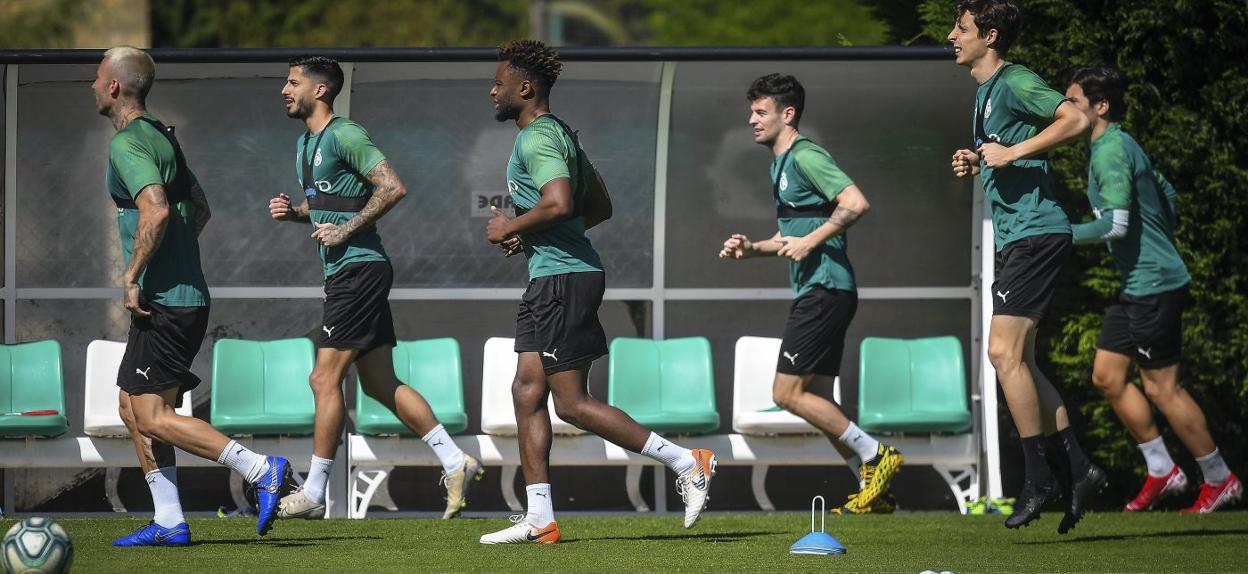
<point>817,542</point>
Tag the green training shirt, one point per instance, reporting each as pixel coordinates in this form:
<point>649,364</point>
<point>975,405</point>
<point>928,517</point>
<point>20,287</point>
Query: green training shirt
<point>340,165</point>
<point>1020,195</point>
<point>139,156</point>
<point>810,177</point>
<point>545,152</point>
<point>1120,176</point>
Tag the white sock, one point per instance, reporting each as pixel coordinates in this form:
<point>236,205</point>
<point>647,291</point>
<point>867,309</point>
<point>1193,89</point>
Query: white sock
<point>1157,457</point>
<point>861,442</point>
<point>163,482</point>
<point>1214,468</point>
<point>676,457</point>
<point>318,477</point>
<point>855,466</point>
<point>239,458</point>
<point>541,511</point>
<point>447,451</point>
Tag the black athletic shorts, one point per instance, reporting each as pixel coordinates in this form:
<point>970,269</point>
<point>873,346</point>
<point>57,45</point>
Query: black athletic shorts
<point>1148,329</point>
<point>814,335</point>
<point>160,350</point>
<point>559,319</point>
<point>357,308</point>
<point>1026,274</point>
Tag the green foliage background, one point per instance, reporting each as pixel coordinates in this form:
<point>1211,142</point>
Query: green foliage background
<point>1186,63</point>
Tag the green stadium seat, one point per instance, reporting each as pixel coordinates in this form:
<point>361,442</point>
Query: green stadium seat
<point>912,385</point>
<point>433,368</point>
<point>31,380</point>
<point>667,386</point>
<point>261,387</point>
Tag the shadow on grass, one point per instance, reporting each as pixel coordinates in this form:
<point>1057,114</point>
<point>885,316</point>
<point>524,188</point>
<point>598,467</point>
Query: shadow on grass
<point>281,542</point>
<point>1165,534</point>
<point>708,537</point>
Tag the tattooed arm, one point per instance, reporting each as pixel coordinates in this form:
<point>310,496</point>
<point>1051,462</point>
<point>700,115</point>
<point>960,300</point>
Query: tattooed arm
<point>153,220</point>
<point>851,204</point>
<point>387,191</point>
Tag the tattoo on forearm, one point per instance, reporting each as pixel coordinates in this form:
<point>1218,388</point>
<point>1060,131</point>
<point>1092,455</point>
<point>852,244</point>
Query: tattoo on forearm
<point>149,234</point>
<point>301,212</point>
<point>387,190</point>
<point>843,217</point>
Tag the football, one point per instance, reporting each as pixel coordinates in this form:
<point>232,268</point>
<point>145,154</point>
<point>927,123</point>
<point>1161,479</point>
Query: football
<point>37,545</point>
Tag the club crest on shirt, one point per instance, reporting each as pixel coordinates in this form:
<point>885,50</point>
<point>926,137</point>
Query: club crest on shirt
<point>988,108</point>
<point>316,159</point>
<point>784,181</point>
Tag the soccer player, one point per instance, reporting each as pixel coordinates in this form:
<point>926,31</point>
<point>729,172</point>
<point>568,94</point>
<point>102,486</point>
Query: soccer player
<point>816,204</point>
<point>1018,118</point>
<point>1135,214</point>
<point>348,185</point>
<point>161,210</point>
<point>558,195</point>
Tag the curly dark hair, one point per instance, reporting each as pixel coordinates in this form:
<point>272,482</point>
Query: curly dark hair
<point>324,69</point>
<point>785,90</point>
<point>538,62</point>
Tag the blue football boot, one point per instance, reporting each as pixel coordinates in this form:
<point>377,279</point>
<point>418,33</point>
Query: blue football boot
<point>153,534</point>
<point>269,492</point>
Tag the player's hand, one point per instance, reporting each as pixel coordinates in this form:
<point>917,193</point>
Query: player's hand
<point>736,247</point>
<point>795,248</point>
<point>496,229</point>
<point>280,209</point>
<point>965,163</point>
<point>328,234</point>
<point>996,155</point>
<point>512,246</point>
<point>130,298</point>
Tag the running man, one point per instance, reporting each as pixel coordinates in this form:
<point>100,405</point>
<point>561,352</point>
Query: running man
<point>1135,214</point>
<point>816,204</point>
<point>161,210</point>
<point>558,195</point>
<point>1018,118</point>
<point>348,185</point>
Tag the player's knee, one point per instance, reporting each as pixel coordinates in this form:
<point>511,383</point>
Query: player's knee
<point>152,427</point>
<point>1003,356</point>
<point>1161,393</point>
<point>127,415</point>
<point>1112,386</point>
<point>322,382</point>
<point>785,396</point>
<point>570,410</point>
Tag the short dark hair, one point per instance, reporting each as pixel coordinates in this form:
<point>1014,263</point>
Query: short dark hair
<point>1001,15</point>
<point>538,62</point>
<point>1101,84</point>
<point>324,69</point>
<point>784,89</point>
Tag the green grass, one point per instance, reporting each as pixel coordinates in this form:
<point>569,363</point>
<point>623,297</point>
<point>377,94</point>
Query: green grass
<point>1114,542</point>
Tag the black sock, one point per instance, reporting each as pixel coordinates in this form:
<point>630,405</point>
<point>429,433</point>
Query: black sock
<point>1036,469</point>
<point>1079,462</point>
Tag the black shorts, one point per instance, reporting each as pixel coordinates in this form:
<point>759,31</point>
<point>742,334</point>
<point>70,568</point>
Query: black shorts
<point>559,319</point>
<point>160,350</point>
<point>814,335</point>
<point>357,308</point>
<point>1026,274</point>
<point>1148,329</point>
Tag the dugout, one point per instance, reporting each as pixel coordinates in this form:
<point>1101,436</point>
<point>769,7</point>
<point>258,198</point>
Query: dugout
<point>667,129</point>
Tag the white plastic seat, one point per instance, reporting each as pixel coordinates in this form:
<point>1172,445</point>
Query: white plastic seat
<point>753,410</point>
<point>100,417</point>
<point>498,370</point>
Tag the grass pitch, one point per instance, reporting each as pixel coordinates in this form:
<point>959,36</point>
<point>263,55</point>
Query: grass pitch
<point>722,542</point>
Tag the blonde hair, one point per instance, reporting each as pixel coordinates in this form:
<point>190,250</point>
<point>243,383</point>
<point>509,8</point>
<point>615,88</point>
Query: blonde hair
<point>134,70</point>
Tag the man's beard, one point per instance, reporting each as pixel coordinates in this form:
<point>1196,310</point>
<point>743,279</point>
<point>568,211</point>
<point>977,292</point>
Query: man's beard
<point>300,112</point>
<point>506,113</point>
